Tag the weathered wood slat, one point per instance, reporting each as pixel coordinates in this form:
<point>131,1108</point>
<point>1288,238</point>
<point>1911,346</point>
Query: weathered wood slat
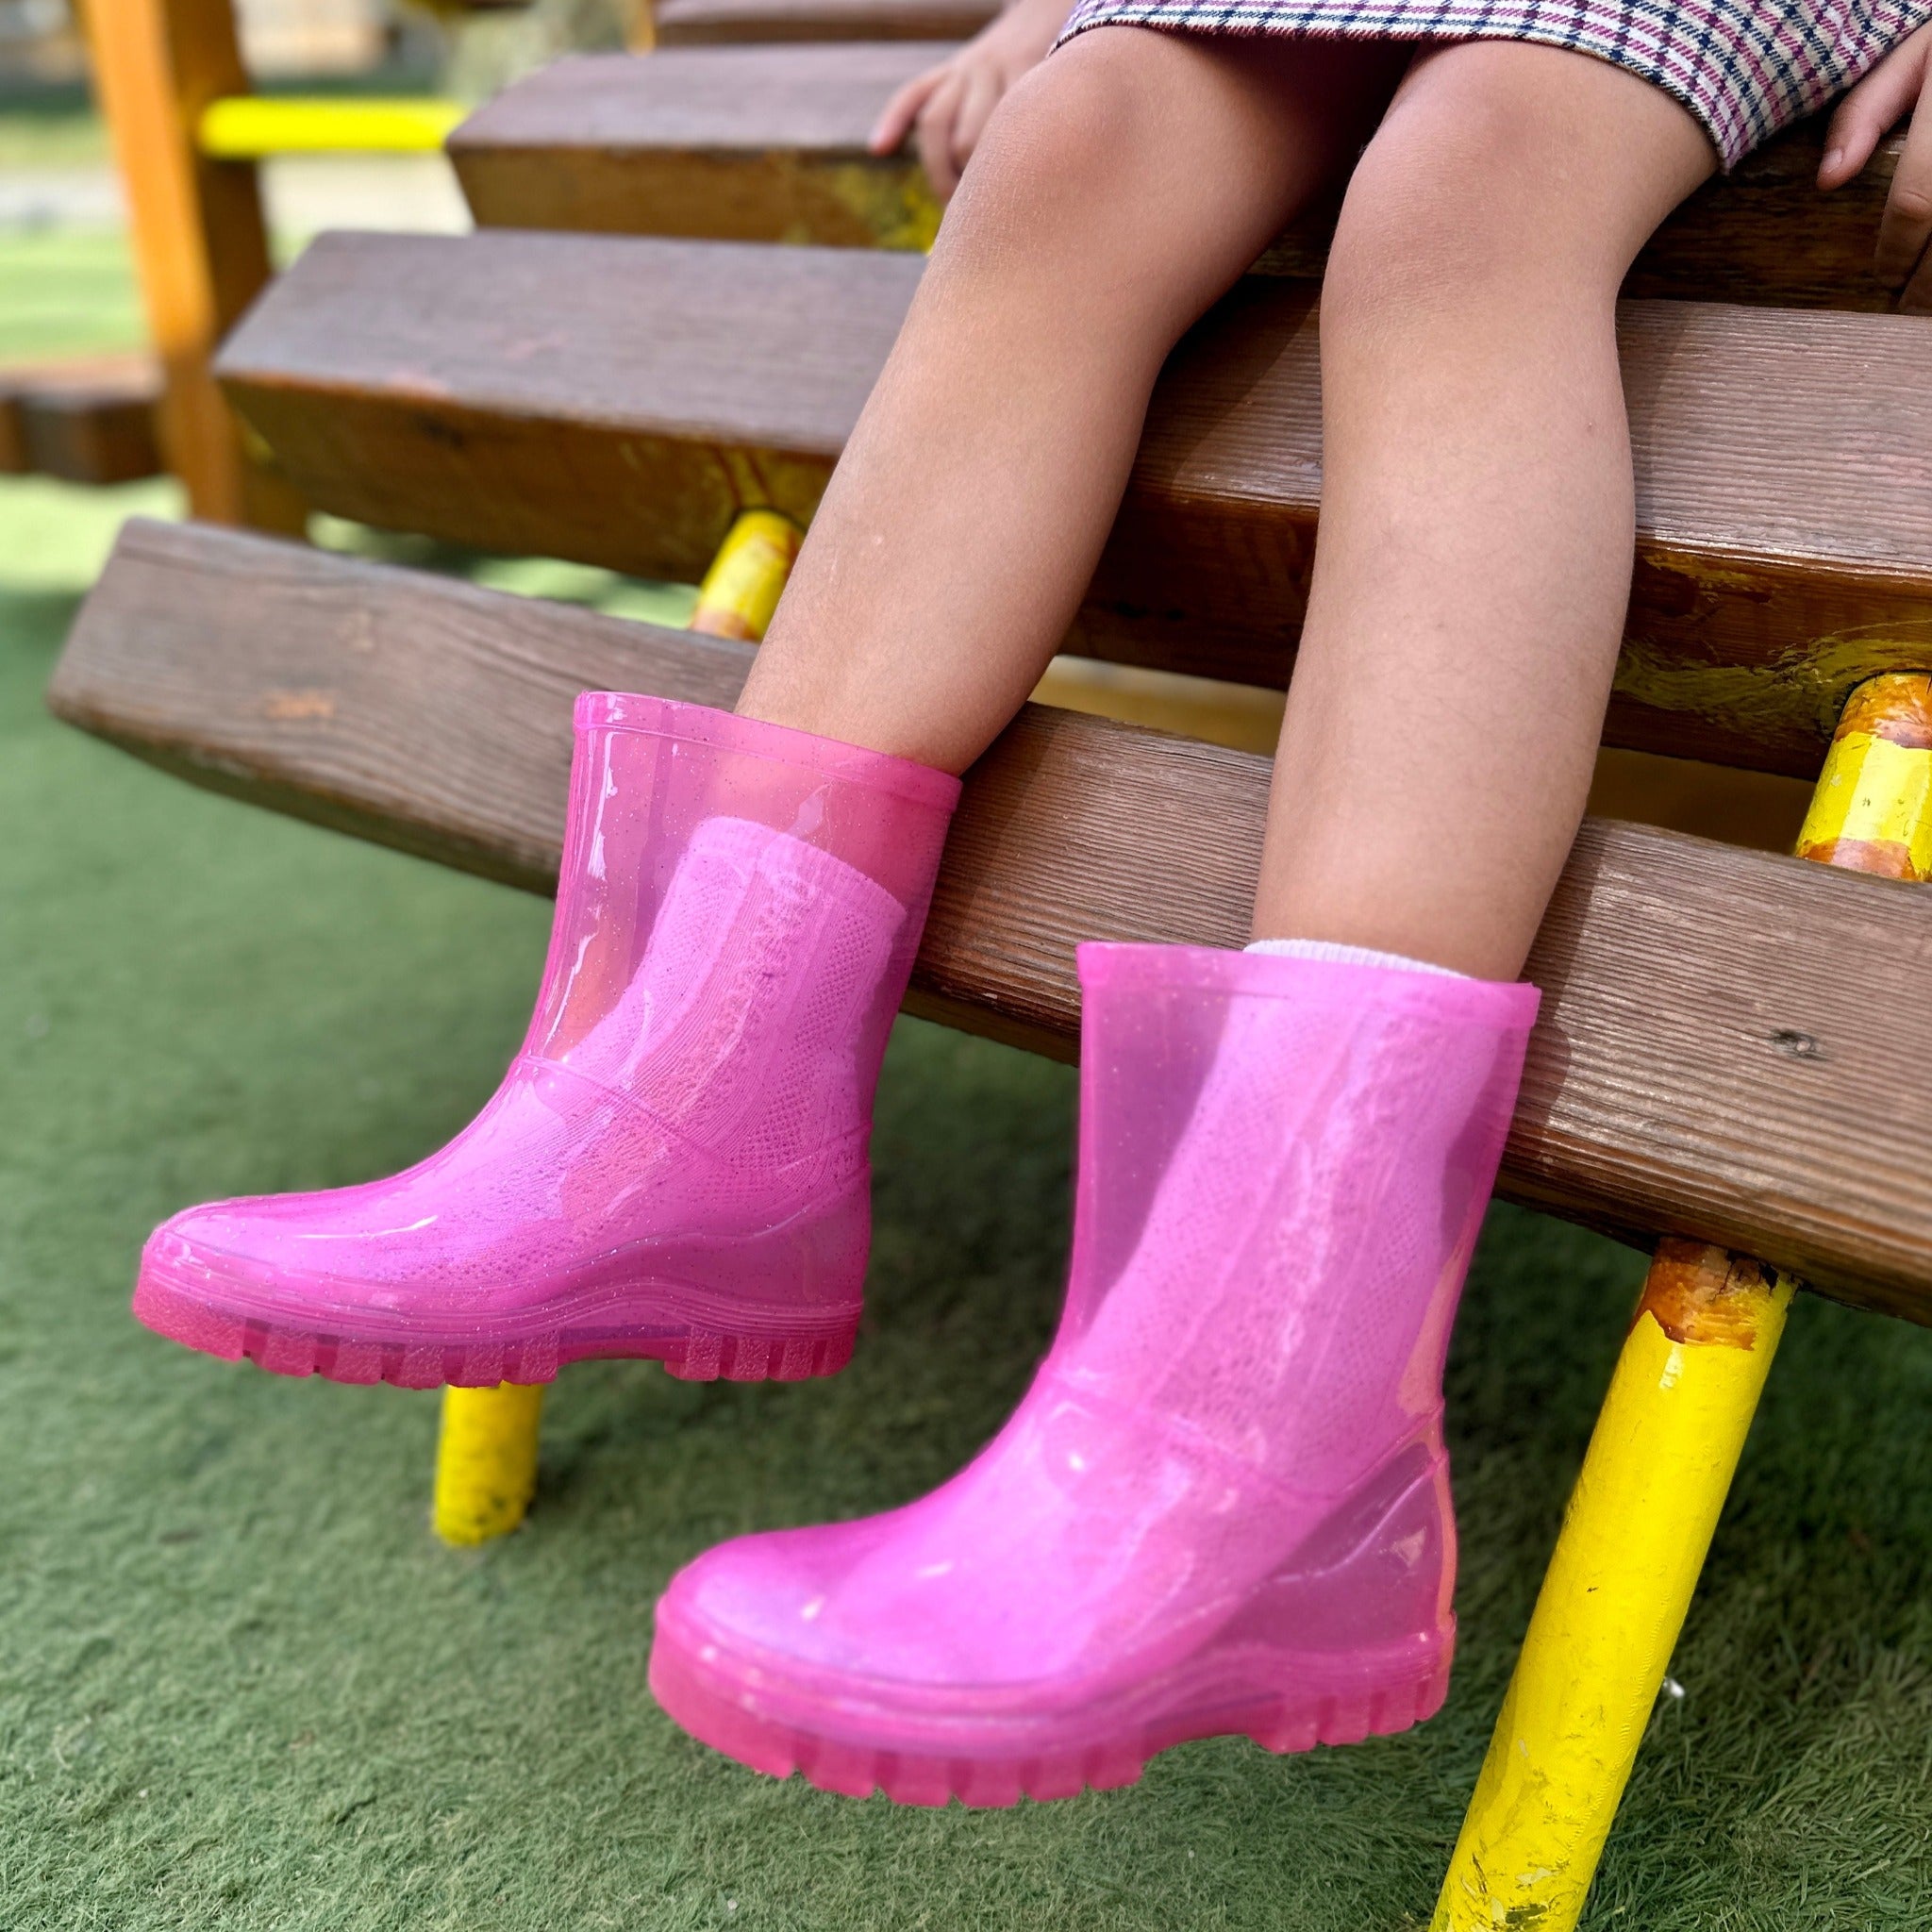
<point>768,144</point>
<point>1718,1053</point>
<point>87,420</point>
<point>726,143</point>
<point>616,400</point>
<point>714,23</point>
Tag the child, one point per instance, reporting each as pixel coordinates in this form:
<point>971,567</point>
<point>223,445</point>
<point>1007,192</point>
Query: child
<point>1223,1505</point>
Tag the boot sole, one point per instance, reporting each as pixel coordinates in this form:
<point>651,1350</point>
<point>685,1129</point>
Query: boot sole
<point>689,1348</point>
<point>1280,1722</point>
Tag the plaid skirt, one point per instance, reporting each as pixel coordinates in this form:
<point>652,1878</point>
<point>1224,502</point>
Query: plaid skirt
<point>1745,68</point>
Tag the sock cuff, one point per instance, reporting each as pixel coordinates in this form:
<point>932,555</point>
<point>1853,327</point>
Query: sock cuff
<point>1338,955</point>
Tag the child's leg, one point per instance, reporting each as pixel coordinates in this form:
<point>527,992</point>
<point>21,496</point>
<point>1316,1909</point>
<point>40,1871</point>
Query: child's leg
<point>1223,1505</point>
<point>1473,564</point>
<point>1120,187</point>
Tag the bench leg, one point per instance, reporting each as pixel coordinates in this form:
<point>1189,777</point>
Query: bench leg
<point>486,1460</point>
<point>486,1452</point>
<point>1633,1542</point>
<point>199,242</point>
<point>1663,1451</point>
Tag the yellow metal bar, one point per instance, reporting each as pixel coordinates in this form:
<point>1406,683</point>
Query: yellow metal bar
<point>486,1460</point>
<point>1663,1451</point>
<point>1239,715</point>
<point>486,1456</point>
<point>247,127</point>
<point>1873,809</point>
<point>747,576</point>
<point>1633,1543</point>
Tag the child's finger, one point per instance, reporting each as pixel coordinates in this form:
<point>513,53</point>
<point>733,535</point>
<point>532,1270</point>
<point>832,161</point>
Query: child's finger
<point>1872,110</point>
<point>1905,230</point>
<point>936,136</point>
<point>895,120</point>
<point>979,98</point>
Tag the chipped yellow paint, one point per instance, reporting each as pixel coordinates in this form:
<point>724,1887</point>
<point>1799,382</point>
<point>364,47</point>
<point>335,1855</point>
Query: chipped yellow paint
<point>1875,793</point>
<point>1665,1446</point>
<point>1633,1542</point>
<point>742,586</point>
<point>486,1460</point>
<point>1802,690</point>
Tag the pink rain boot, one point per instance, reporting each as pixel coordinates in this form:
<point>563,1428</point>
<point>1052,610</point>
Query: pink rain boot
<point>675,1165</point>
<point>1223,1505</point>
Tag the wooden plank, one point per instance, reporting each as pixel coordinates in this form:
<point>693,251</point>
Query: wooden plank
<point>768,144</point>
<point>616,400</point>
<point>199,240</point>
<point>1712,1057</point>
<point>715,23</point>
<point>727,143</point>
<point>86,420</point>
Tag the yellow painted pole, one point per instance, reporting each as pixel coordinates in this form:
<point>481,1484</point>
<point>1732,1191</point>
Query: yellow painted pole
<point>486,1460</point>
<point>486,1452</point>
<point>741,589</point>
<point>246,127</point>
<point>1663,1451</point>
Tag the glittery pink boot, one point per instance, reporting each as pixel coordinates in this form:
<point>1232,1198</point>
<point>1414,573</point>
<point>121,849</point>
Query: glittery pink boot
<point>675,1165</point>
<point>1223,1505</point>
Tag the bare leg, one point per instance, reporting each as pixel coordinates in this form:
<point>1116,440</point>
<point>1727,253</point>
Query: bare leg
<point>1120,187</point>
<point>1473,564</point>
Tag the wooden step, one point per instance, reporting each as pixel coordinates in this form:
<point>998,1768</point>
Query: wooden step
<point>712,23</point>
<point>768,144</point>
<point>1719,1051</point>
<point>616,400</point>
<point>85,420</point>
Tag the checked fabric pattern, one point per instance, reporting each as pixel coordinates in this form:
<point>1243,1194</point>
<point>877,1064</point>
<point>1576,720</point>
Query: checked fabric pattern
<point>1745,68</point>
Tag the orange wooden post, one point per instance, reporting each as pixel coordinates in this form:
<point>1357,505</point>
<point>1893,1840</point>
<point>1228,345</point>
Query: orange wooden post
<point>200,244</point>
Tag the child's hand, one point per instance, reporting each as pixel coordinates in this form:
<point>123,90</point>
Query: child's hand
<point>1901,82</point>
<point>951,103</point>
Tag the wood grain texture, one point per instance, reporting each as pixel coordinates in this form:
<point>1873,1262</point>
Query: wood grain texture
<point>87,420</point>
<point>768,143</point>
<point>618,400</point>
<point>711,23</point>
<point>726,143</point>
<point>1705,1063</point>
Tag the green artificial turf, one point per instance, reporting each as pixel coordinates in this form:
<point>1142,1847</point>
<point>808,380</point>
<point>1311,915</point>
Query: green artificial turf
<point>240,1686</point>
<point>63,292</point>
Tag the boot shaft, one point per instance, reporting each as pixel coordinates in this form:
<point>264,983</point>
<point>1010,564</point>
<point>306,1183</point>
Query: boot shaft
<point>789,876</point>
<point>1284,1165</point>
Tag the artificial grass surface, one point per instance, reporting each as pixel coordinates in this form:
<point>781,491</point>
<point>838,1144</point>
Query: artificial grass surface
<point>64,292</point>
<point>242,1687</point>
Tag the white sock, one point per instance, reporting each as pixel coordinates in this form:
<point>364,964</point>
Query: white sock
<point>1348,956</point>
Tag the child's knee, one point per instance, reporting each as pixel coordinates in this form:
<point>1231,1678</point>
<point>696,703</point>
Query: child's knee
<point>1504,169</point>
<point>1447,211</point>
<point>1059,157</point>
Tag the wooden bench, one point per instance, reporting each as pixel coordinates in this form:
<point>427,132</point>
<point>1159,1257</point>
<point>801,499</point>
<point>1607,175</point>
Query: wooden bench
<point>768,144</point>
<point>1716,1071</point>
<point>616,400</point>
<point>695,22</point>
<point>85,420</point>
<point>1688,986</point>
